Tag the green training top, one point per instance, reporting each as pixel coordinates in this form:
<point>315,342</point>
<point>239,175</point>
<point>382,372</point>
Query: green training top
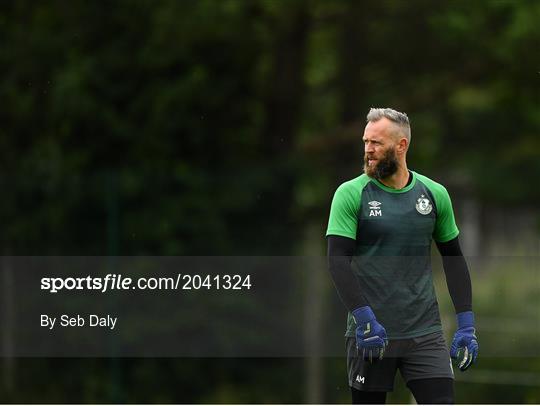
<point>393,229</point>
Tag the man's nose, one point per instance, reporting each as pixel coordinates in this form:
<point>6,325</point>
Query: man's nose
<point>368,147</point>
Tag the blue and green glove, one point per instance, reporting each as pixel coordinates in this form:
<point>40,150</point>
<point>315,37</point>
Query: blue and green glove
<point>371,336</point>
<point>464,348</point>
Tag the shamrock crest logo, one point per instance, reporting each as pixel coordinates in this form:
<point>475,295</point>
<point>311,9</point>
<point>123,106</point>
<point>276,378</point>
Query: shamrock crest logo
<point>423,205</point>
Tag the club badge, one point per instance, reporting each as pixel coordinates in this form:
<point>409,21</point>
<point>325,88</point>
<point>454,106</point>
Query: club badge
<point>423,205</point>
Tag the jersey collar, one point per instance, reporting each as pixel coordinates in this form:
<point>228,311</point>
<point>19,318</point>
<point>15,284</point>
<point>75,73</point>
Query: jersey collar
<point>390,190</point>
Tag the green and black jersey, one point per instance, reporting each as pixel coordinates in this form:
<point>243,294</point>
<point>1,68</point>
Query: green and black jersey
<point>393,229</point>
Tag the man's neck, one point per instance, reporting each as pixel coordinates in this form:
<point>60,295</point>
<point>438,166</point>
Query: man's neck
<point>398,180</point>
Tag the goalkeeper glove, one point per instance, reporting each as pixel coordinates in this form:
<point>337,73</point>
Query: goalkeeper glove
<point>464,347</point>
<point>370,335</point>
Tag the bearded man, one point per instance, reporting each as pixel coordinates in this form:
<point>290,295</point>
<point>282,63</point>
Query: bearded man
<point>379,236</point>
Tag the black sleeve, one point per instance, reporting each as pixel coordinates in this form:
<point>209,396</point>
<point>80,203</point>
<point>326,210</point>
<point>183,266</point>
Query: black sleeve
<point>457,275</point>
<point>340,252</point>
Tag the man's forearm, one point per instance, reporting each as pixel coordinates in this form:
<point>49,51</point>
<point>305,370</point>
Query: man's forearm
<point>457,274</point>
<point>340,251</point>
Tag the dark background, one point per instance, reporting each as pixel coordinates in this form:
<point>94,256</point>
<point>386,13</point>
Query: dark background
<point>178,128</point>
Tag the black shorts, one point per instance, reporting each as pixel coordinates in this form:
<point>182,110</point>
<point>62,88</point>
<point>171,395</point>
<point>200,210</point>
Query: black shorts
<point>416,358</point>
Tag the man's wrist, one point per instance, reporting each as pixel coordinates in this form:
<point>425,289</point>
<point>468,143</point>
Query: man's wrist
<point>363,314</point>
<point>465,319</point>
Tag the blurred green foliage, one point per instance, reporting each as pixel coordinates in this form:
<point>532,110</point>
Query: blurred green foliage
<point>506,302</point>
<point>223,127</point>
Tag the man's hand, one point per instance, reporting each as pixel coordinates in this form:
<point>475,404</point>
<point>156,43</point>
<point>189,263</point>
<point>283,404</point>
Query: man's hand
<point>464,347</point>
<point>371,337</point>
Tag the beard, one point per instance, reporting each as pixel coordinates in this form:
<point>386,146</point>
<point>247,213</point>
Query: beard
<point>384,168</point>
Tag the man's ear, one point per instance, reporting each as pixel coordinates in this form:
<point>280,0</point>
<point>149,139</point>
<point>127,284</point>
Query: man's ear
<point>402,146</point>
